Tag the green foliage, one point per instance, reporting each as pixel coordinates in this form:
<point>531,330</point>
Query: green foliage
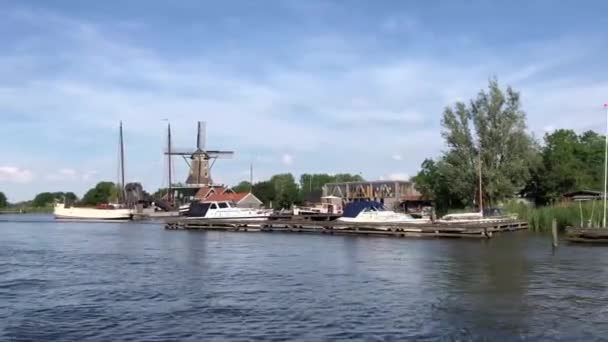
<point>103,192</point>
<point>3,200</point>
<point>568,162</point>
<point>265,191</point>
<point>243,186</point>
<point>491,129</point>
<point>44,199</point>
<point>433,185</point>
<point>567,214</point>
<point>286,190</point>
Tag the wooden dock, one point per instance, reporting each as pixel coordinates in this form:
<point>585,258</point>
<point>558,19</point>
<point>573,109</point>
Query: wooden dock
<point>292,225</point>
<point>587,235</point>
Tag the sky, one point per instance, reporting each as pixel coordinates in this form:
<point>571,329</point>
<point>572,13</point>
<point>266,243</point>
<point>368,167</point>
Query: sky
<point>290,86</point>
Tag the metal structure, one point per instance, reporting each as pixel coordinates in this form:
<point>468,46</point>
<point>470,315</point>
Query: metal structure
<point>201,160</point>
<point>387,192</point>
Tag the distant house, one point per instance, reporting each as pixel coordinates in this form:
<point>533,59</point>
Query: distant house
<point>582,195</point>
<point>241,199</point>
<point>204,192</point>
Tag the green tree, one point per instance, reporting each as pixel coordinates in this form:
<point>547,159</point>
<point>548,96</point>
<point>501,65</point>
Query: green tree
<point>286,190</point>
<point>103,192</point>
<point>43,199</point>
<point>433,185</point>
<point>243,186</point>
<point>490,130</point>
<point>265,191</point>
<point>3,200</point>
<point>567,162</point>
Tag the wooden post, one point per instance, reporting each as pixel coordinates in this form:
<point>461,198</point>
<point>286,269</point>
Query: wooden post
<point>554,233</point>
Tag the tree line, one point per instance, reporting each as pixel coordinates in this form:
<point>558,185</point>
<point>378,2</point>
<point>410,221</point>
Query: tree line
<point>103,192</point>
<point>489,133</point>
<point>282,190</point>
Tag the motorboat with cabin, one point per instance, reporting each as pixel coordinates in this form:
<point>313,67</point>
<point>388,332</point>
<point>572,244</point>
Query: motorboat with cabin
<point>374,212</point>
<point>330,205</point>
<point>226,210</point>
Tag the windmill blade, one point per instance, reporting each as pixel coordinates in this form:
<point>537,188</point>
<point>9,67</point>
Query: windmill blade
<point>180,151</point>
<point>201,135</point>
<point>220,154</point>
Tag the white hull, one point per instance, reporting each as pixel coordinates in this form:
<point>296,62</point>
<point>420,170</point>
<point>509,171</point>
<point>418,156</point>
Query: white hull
<point>75,213</point>
<point>226,210</point>
<point>474,218</point>
<point>383,217</point>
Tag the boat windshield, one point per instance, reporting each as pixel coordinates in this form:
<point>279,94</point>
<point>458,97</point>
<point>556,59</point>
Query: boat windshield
<point>223,205</point>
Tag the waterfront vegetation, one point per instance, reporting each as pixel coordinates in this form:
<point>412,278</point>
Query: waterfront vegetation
<point>567,214</point>
<point>490,132</point>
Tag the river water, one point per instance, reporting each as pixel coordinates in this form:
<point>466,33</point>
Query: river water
<point>139,282</point>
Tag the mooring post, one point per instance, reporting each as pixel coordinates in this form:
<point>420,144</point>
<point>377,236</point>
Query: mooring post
<point>554,233</point>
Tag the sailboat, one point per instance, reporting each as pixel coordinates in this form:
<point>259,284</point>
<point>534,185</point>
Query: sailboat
<point>119,211</point>
<point>478,216</point>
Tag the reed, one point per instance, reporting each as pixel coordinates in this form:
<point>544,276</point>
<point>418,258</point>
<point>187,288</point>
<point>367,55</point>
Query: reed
<point>567,214</point>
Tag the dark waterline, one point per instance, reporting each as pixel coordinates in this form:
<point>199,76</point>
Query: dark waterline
<point>138,282</point>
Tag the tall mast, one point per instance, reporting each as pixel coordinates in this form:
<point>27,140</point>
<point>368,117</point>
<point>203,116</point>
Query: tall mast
<point>122,166</point>
<point>170,190</point>
<point>251,178</point>
<point>480,187</point>
<point>605,166</point>
<point>199,150</point>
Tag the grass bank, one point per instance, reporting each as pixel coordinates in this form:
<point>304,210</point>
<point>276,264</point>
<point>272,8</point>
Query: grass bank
<point>28,210</point>
<point>567,214</point>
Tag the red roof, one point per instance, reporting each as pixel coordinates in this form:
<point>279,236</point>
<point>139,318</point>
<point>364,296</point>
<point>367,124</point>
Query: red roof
<point>234,197</point>
<point>204,192</point>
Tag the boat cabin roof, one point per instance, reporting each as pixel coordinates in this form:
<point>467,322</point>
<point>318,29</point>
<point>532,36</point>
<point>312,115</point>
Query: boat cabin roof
<point>219,204</point>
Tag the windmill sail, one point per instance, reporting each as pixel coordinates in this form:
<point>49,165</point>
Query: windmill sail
<point>201,159</point>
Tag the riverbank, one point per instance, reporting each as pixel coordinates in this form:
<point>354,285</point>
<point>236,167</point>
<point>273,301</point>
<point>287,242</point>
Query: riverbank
<point>27,210</point>
<point>567,214</point>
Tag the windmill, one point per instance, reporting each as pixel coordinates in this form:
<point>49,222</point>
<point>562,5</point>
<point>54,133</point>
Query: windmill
<point>200,161</point>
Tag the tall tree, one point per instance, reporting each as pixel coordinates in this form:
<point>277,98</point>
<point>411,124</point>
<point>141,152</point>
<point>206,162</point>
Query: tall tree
<point>3,200</point>
<point>490,131</point>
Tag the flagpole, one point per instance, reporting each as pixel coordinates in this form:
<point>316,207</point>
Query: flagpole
<point>605,166</point>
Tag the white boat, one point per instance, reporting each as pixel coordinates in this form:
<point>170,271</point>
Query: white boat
<point>226,210</point>
<point>476,217</point>
<point>102,212</point>
<point>378,214</point>
<point>109,212</point>
<point>328,205</point>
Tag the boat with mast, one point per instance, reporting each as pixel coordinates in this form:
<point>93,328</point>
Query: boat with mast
<point>481,216</point>
<point>110,211</point>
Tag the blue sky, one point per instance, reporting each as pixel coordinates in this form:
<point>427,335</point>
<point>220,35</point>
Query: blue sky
<point>291,86</point>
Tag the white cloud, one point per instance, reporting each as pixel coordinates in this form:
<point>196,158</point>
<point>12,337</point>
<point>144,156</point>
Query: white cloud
<point>15,175</point>
<point>317,108</point>
<point>287,159</point>
<point>70,175</point>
